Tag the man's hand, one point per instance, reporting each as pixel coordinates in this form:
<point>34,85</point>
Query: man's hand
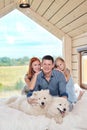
<point>32,101</point>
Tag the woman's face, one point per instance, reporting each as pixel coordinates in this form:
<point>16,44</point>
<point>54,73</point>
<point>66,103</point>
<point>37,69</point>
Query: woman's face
<point>36,66</point>
<point>60,65</point>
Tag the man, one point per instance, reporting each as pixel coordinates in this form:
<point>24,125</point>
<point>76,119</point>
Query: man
<point>50,79</point>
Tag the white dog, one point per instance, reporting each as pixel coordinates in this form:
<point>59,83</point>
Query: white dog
<point>37,104</point>
<point>58,109</point>
<point>41,103</point>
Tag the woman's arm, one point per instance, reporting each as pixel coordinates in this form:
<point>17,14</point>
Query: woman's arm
<point>31,83</point>
<point>67,74</point>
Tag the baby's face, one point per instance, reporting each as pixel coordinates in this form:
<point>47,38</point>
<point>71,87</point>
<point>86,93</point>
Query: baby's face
<point>60,65</point>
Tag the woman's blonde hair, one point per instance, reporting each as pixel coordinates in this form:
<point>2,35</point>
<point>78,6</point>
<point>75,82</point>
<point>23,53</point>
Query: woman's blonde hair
<point>58,58</point>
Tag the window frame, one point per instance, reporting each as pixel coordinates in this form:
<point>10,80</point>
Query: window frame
<point>83,85</point>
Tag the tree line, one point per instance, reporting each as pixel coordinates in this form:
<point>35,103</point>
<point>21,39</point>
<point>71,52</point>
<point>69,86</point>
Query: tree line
<point>6,61</point>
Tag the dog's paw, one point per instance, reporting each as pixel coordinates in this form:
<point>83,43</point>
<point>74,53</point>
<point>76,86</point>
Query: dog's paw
<point>59,120</point>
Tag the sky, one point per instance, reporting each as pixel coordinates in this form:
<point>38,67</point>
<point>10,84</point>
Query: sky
<point>20,36</point>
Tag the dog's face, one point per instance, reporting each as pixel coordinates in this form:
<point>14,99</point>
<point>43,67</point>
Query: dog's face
<point>43,97</point>
<point>60,106</point>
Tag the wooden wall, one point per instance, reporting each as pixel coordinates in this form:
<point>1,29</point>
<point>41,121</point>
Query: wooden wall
<point>67,51</point>
<point>77,42</point>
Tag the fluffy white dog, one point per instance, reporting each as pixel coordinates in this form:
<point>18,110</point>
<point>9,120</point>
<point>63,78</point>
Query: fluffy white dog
<point>58,109</point>
<point>41,103</point>
<point>37,104</point>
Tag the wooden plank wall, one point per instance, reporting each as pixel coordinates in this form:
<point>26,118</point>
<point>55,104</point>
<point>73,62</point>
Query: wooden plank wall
<point>6,6</point>
<point>79,41</point>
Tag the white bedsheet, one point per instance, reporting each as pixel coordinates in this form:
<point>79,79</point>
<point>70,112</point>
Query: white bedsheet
<point>12,119</point>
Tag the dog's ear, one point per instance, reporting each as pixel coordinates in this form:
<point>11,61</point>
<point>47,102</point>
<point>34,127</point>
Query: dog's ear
<point>35,93</point>
<point>47,90</point>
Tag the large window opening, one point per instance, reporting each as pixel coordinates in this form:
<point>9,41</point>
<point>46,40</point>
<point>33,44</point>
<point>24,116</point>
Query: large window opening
<point>84,69</point>
<point>20,39</point>
<point>83,66</point>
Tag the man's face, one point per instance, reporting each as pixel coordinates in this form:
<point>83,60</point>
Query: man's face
<point>47,66</point>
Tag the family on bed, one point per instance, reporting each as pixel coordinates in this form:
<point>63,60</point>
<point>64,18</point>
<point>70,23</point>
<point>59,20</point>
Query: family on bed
<point>52,75</point>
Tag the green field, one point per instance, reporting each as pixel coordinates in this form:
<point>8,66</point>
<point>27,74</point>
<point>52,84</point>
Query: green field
<point>12,76</point>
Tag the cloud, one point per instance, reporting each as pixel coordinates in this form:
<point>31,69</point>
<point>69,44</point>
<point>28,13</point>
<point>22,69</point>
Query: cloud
<point>22,36</point>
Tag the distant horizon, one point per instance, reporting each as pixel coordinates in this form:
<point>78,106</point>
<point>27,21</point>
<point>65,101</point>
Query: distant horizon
<point>54,56</point>
<point>20,37</point>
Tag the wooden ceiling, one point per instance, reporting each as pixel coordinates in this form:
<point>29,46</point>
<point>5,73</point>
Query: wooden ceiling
<point>60,17</point>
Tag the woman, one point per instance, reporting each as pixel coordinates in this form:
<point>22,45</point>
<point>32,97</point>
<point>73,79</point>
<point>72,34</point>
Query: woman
<point>31,76</point>
<point>70,87</point>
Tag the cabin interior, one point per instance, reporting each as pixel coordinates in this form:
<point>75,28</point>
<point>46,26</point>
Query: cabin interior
<point>67,20</point>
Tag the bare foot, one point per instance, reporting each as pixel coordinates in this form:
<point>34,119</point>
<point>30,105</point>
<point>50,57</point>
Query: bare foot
<point>81,94</point>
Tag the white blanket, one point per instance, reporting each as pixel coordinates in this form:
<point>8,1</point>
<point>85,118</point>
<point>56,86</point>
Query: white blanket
<point>12,119</point>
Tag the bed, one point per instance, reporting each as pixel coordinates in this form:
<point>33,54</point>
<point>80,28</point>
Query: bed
<point>12,119</point>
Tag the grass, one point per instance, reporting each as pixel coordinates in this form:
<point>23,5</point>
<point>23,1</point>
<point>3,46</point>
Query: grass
<point>10,75</point>
<point>11,78</point>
